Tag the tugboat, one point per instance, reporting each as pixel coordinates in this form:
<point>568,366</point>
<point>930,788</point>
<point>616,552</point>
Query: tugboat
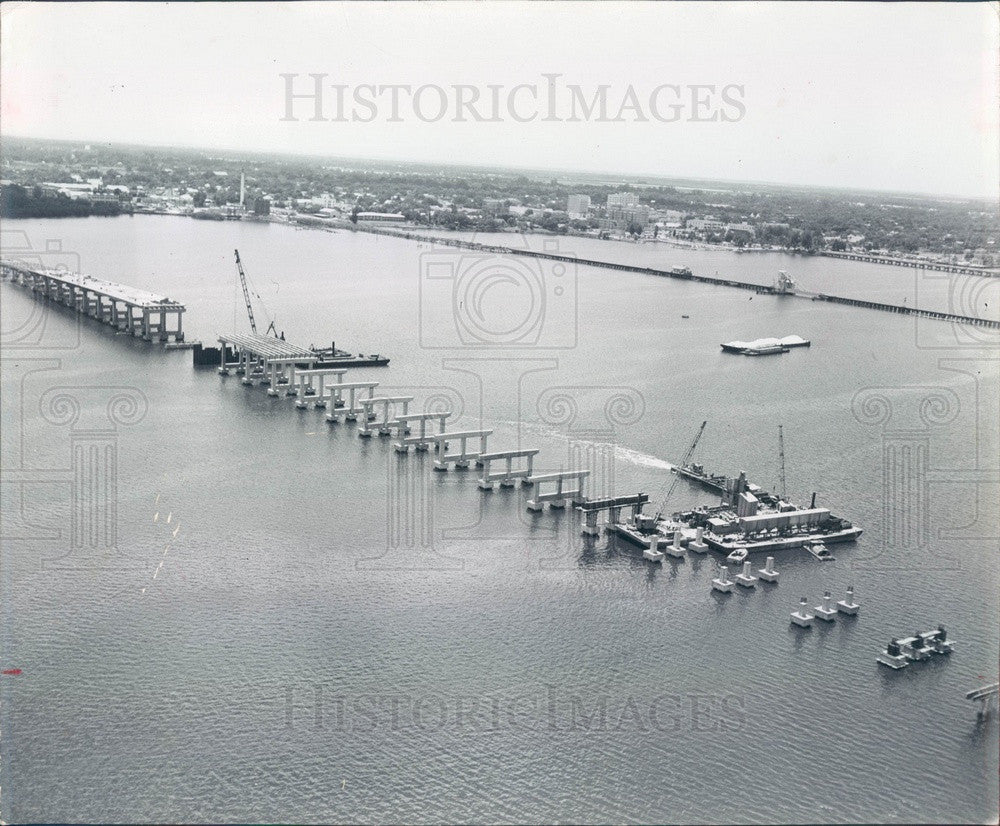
<point>696,472</point>
<point>819,550</point>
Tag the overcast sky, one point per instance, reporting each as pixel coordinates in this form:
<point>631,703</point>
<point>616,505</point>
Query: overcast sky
<point>871,95</point>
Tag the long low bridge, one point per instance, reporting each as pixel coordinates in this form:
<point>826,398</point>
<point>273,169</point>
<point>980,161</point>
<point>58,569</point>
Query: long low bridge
<point>684,274</point>
<point>129,309</point>
<point>916,263</point>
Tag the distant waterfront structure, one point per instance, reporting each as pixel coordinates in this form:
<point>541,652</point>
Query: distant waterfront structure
<point>577,206</point>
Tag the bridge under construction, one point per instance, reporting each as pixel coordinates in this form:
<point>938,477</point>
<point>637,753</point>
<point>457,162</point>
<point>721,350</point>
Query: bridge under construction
<point>128,309</point>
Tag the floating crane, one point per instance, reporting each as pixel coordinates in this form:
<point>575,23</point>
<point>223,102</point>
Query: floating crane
<point>246,298</point>
<point>686,460</point>
<point>781,462</point>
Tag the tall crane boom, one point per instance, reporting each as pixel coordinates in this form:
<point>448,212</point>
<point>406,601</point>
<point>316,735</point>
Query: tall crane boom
<point>781,462</point>
<point>686,460</point>
<point>246,292</point>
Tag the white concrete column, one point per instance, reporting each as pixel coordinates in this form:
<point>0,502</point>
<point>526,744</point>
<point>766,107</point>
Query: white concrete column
<point>484,482</point>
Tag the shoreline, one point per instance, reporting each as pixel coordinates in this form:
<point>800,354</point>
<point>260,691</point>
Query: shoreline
<point>416,232</point>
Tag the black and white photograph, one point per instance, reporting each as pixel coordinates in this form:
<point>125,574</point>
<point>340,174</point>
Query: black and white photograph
<point>499,412</point>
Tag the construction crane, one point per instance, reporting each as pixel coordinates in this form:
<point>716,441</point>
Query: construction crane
<point>781,462</point>
<point>246,298</point>
<point>685,461</point>
<point>246,292</point>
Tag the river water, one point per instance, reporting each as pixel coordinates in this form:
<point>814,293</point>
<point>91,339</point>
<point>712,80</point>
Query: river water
<point>269,619</point>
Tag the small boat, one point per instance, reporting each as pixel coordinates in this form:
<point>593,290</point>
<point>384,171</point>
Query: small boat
<point>685,316</point>
<point>819,550</point>
<point>737,557</point>
<point>892,656</point>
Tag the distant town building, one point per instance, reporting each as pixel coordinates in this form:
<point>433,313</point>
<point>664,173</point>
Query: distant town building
<point>578,206</point>
<point>623,199</point>
<point>381,217</point>
<point>493,206</point>
<point>621,218</point>
<point>705,225</point>
<point>741,228</point>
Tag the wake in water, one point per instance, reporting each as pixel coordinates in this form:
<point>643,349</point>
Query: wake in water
<point>627,454</point>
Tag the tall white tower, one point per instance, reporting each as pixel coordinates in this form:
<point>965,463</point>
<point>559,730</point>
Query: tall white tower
<point>243,188</point>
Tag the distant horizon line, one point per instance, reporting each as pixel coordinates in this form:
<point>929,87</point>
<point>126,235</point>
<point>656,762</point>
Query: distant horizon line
<point>617,177</point>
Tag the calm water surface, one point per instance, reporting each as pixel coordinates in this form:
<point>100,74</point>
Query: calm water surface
<point>337,633</point>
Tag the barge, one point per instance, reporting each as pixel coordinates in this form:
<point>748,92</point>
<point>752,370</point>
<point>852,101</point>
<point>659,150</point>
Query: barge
<point>765,346</point>
<point>749,519</point>
<point>899,653</point>
<point>331,357</point>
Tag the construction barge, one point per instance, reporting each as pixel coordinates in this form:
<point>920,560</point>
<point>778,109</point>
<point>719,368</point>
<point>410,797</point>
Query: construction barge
<point>749,519</point>
<point>317,359</point>
<point>313,358</point>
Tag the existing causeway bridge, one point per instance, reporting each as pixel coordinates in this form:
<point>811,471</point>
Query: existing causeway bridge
<point>683,273</point>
